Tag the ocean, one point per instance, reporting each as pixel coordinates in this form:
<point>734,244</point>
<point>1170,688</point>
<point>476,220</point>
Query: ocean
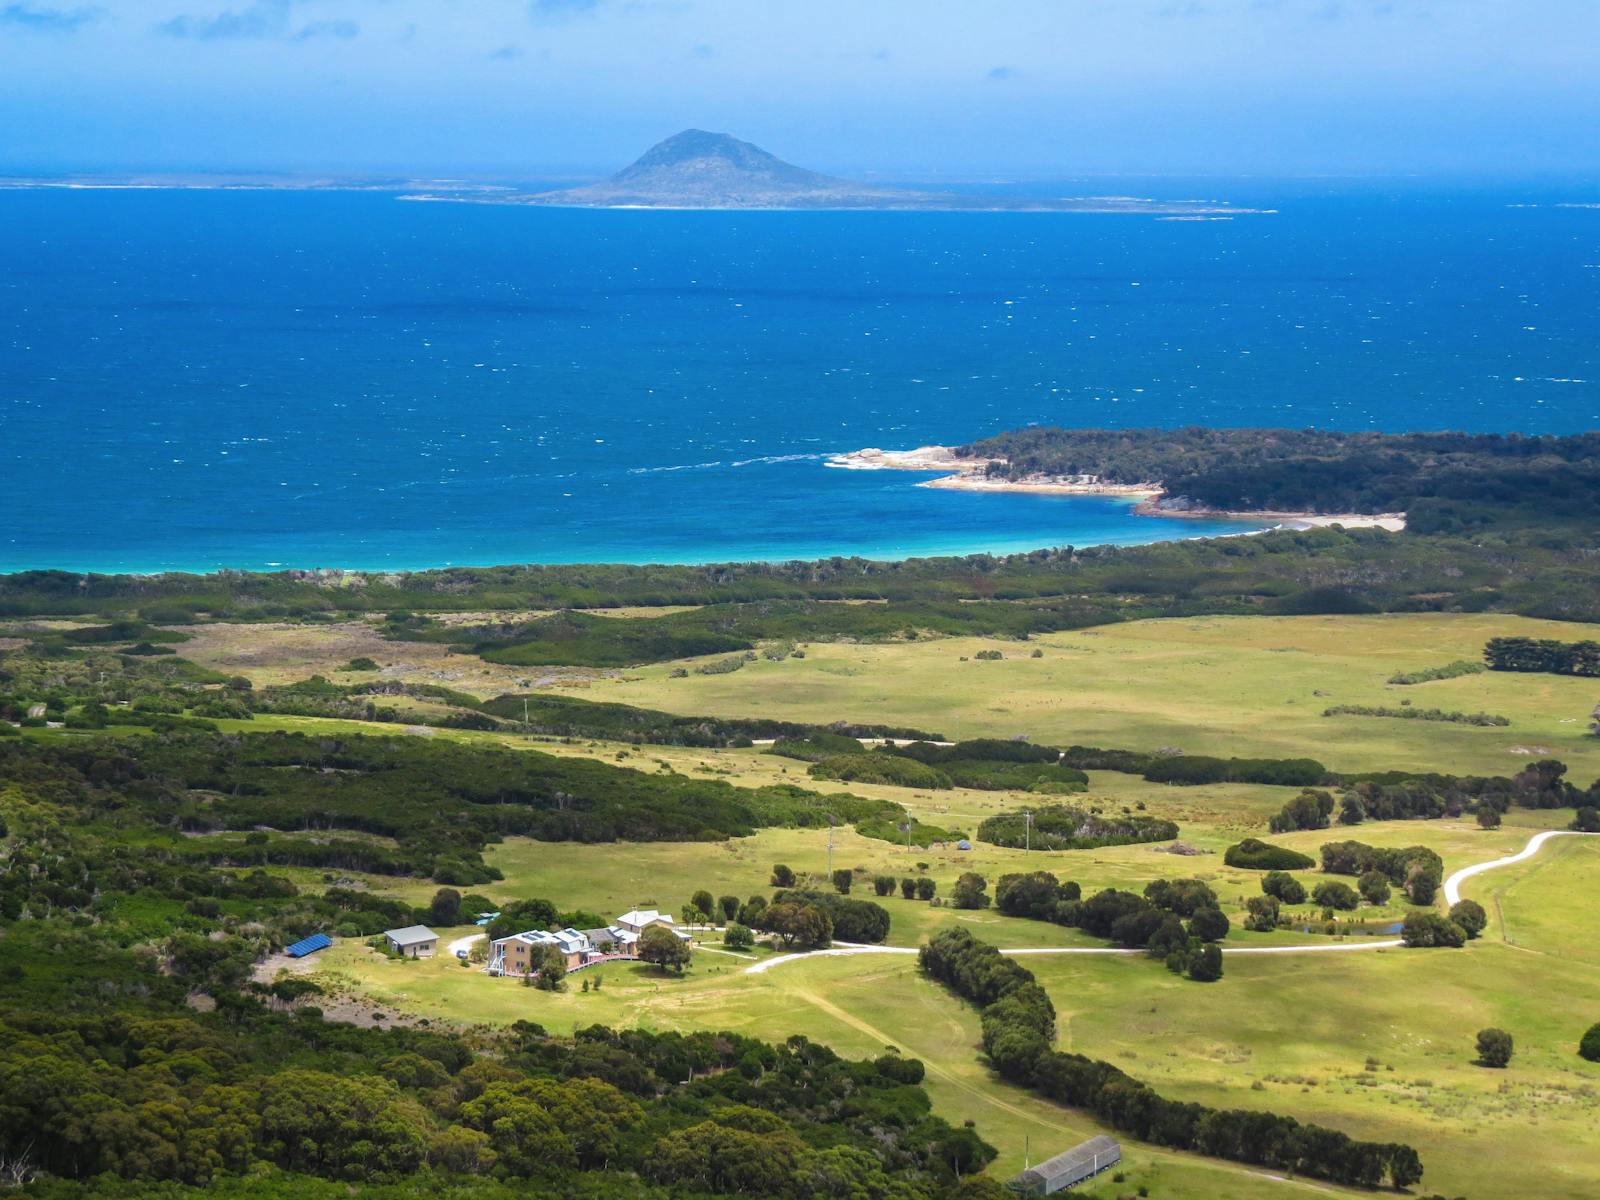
<point>203,379</point>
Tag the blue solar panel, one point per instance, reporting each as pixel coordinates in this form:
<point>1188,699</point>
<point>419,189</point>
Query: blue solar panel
<point>310,945</point>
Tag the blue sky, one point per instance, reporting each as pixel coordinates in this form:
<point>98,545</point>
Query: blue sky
<point>920,88</point>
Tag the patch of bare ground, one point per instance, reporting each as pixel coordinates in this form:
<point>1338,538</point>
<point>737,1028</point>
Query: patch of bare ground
<point>269,654</point>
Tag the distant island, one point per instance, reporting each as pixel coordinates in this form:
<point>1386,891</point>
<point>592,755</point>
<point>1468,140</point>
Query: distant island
<point>700,170</point>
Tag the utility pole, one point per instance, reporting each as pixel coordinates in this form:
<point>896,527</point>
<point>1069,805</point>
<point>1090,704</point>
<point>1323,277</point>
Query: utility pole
<point>524,714</point>
<point>830,846</point>
<point>1027,826</point>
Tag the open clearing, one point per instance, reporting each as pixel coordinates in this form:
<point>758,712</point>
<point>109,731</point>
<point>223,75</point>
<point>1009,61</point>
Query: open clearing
<point>1247,686</point>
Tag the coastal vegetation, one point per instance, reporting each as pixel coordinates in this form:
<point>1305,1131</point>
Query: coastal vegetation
<point>1442,481</point>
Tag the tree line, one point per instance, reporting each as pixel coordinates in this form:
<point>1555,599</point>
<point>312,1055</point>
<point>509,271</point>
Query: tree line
<point>1019,1026</point>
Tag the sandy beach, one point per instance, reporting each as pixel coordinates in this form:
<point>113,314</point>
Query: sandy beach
<point>968,475</point>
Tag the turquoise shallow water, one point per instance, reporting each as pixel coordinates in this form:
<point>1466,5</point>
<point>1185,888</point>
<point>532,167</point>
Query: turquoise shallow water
<point>203,379</point>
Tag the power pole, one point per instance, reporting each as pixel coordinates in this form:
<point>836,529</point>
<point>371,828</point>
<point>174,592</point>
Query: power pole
<point>1027,827</point>
<point>830,846</point>
<point>524,714</point>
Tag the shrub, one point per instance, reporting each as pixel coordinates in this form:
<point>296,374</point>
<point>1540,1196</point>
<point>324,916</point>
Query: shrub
<point>737,936</point>
<point>1470,916</point>
<point>970,891</point>
<point>782,876</point>
<point>1284,887</point>
<point>1424,929</point>
<point>1063,827</point>
<point>1262,913</point>
<point>926,888</point>
<point>1587,820</point>
<point>1333,894</point>
<point>883,885</point>
<point>1311,809</point>
<point>1209,925</point>
<point>1206,966</point>
<point>1494,1047</point>
<point>842,879</point>
<point>1488,816</point>
<point>1589,1046</point>
<point>892,770</point>
<point>908,888</point>
<point>1252,854</point>
<point>1374,887</point>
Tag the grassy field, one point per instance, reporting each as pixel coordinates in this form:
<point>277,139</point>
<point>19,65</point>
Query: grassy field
<point>1208,685</point>
<point>1378,1044</point>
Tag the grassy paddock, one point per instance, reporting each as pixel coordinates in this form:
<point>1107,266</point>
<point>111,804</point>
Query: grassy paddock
<point>1247,686</point>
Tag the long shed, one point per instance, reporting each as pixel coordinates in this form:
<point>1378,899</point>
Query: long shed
<point>1083,1161</point>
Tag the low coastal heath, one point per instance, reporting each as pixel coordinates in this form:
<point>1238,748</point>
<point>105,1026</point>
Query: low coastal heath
<point>969,475</point>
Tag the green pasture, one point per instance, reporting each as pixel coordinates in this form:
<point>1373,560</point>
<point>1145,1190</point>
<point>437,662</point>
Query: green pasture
<point>1246,686</point>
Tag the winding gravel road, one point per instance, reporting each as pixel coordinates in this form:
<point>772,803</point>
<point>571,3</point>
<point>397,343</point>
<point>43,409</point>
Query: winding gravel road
<point>1452,895</point>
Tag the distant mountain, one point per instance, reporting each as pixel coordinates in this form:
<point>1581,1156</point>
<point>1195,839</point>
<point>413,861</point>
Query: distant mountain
<point>696,169</point>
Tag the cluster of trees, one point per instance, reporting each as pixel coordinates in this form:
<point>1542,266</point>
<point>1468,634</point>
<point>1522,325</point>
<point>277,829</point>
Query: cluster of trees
<point>1175,920</point>
<point>1544,655</point>
<point>1311,809</point>
<point>1196,769</point>
<point>848,920</point>
<point>1018,1028</point>
<point>1417,870</point>
<point>1064,827</point>
<point>987,764</point>
<point>192,1100</point>
<point>1401,795</point>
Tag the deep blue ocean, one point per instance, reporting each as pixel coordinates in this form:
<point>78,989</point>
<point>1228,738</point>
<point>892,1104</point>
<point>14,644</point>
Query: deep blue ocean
<point>203,379</point>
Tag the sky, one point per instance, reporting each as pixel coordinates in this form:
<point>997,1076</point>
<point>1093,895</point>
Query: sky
<point>925,89</point>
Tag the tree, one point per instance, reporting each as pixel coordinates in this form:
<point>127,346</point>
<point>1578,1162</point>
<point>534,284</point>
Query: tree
<point>908,888</point>
<point>1587,818</point>
<point>750,911</point>
<point>737,937</point>
<point>551,968</point>
<point>1209,924</point>
<point>660,947</point>
<point>1333,894</point>
<point>1494,1047</point>
<point>1488,816</point>
<point>883,885</point>
<point>926,888</point>
<point>1284,886</point>
<point>1309,810</point>
<point>1589,1047</point>
<point>1374,886</point>
<point>1422,882</point>
<point>970,891</point>
<point>729,906</point>
<point>782,877</point>
<point>1470,916</point>
<point>1206,966</point>
<point>445,908</point>
<point>703,902</point>
<point>842,879</point>
<point>1262,914</point>
<point>1425,928</point>
<point>805,925</point>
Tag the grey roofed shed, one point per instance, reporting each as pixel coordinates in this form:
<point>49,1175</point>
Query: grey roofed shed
<point>1083,1161</point>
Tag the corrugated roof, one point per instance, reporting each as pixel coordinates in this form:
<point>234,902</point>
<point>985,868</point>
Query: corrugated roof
<point>308,945</point>
<point>410,934</point>
<point>1080,1155</point>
